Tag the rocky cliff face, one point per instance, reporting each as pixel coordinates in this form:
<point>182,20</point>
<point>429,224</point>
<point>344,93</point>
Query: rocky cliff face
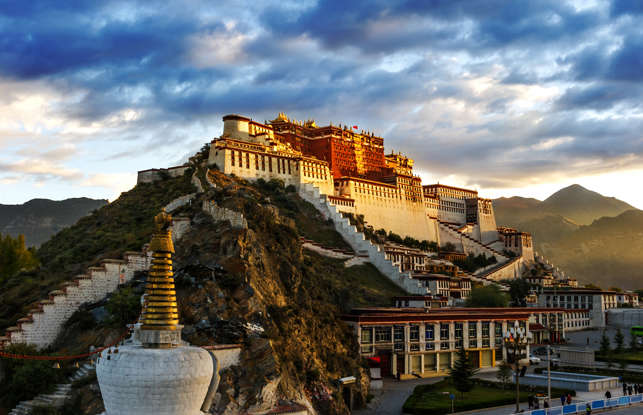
<point>257,287</point>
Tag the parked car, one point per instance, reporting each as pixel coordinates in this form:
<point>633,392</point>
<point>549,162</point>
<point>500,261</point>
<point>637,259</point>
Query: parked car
<point>534,360</point>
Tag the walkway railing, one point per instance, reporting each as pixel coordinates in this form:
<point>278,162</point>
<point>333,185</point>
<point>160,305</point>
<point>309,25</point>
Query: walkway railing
<point>580,407</point>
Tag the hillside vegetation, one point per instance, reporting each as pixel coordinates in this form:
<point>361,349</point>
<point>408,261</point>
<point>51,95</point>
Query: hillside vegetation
<point>125,224</point>
<point>39,219</point>
<point>14,256</point>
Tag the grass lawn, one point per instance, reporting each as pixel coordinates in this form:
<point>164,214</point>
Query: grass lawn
<point>432,399</point>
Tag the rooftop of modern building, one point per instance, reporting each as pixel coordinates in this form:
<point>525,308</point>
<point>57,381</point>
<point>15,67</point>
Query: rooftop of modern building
<point>418,297</point>
<point>382,315</point>
<point>577,290</point>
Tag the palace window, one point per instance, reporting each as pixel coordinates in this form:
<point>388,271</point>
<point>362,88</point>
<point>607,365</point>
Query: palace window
<point>232,158</point>
<point>270,164</point>
<point>444,331</point>
<point>247,160</point>
<point>256,162</point>
<point>473,329</point>
<point>398,333</point>
<point>383,334</point>
<point>414,333</point>
<point>458,330</point>
<point>485,329</point>
<point>367,335</point>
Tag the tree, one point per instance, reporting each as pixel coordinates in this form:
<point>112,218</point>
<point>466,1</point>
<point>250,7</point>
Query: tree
<point>518,291</point>
<point>504,373</point>
<point>619,339</point>
<point>462,373</point>
<point>487,296</point>
<point>605,345</point>
<point>15,257</point>
<point>634,345</point>
<point>448,247</point>
<point>593,286</point>
<point>124,306</point>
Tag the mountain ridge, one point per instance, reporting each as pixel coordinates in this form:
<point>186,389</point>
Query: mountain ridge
<point>593,238</point>
<point>39,219</point>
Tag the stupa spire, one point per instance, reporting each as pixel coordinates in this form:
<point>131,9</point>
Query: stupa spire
<point>160,310</point>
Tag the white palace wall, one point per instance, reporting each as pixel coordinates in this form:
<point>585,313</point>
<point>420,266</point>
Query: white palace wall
<point>250,162</point>
<point>43,324</point>
<point>384,207</point>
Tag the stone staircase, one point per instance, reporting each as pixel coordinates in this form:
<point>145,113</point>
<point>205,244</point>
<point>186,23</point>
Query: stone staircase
<point>363,247</point>
<point>55,399</point>
<point>476,245</point>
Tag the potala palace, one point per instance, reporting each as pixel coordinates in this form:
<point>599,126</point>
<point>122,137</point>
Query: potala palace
<point>353,172</point>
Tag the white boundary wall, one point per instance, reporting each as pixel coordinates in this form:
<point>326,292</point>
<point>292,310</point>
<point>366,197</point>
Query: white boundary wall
<point>43,324</point>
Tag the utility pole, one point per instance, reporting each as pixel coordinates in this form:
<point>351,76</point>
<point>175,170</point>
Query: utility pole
<point>548,376</point>
<point>515,340</point>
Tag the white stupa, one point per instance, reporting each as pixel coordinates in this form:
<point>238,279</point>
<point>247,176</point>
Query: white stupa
<point>156,373</point>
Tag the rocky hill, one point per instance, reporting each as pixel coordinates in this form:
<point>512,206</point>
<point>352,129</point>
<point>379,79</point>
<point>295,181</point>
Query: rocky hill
<point>255,286</point>
<point>39,219</point>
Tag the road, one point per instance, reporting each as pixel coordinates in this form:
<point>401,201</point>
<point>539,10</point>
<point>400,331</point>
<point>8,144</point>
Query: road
<point>632,410</point>
<point>394,395</point>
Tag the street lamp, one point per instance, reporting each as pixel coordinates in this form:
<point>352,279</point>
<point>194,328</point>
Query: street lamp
<point>515,340</point>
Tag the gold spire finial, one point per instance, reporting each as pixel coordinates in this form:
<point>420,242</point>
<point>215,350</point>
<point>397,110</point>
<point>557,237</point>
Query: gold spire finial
<point>160,310</point>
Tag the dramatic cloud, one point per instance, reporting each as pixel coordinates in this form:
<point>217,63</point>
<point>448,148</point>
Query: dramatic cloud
<point>484,93</point>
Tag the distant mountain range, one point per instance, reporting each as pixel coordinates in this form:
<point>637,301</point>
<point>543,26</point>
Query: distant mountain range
<point>39,219</point>
<point>575,203</point>
<point>591,237</point>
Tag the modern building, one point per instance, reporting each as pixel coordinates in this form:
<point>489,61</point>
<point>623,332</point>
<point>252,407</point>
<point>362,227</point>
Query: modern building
<point>595,302</point>
<point>424,342</point>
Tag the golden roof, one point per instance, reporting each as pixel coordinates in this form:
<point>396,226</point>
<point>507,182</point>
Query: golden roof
<point>280,117</point>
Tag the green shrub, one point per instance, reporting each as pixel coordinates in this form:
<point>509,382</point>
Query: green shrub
<point>123,306</point>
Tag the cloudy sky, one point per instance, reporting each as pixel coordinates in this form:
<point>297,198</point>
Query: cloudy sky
<point>510,97</point>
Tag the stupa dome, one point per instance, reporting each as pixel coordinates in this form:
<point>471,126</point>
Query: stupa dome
<point>147,381</point>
